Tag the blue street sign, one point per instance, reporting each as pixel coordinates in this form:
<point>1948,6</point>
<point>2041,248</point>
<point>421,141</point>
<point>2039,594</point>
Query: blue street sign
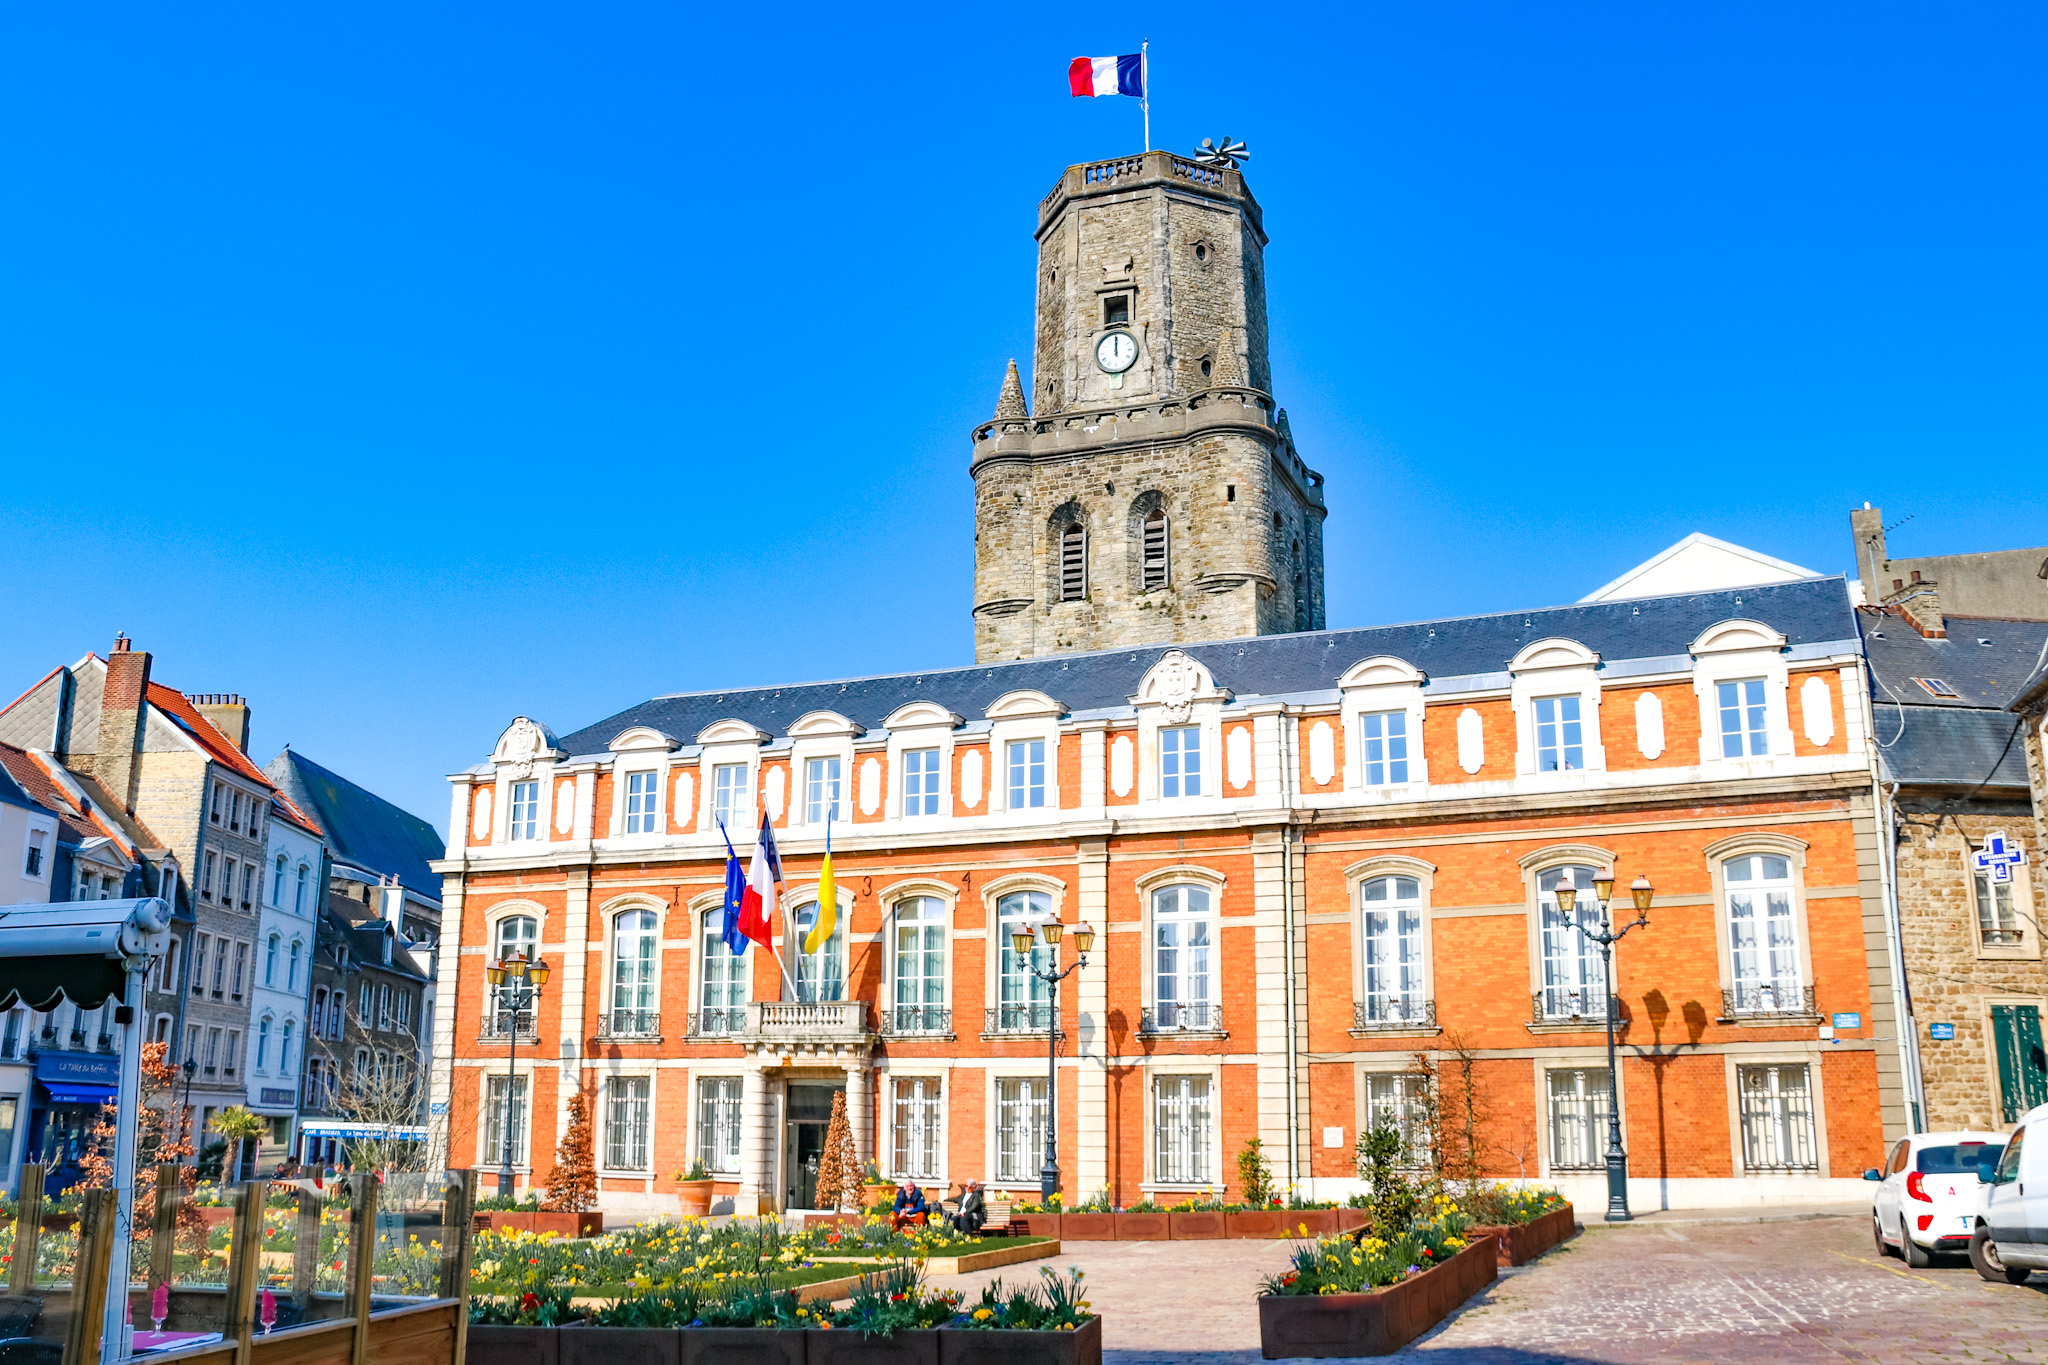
<point>1942,1032</point>
<point>1849,1021</point>
<point>438,1107</point>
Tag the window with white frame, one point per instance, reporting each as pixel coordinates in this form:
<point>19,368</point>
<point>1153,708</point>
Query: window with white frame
<point>722,998</point>
<point>1763,939</point>
<point>1180,761</point>
<point>270,960</point>
<point>284,1047</point>
<point>1181,1125</point>
<point>920,781</point>
<point>1743,729</point>
<point>524,822</point>
<point>1183,965</point>
<point>1574,986</point>
<point>626,1110</point>
<point>920,965</point>
<point>1578,1104</point>
<point>1560,735</point>
<point>822,791</point>
<point>292,966</point>
<point>1385,747</point>
<point>1998,922</point>
<point>1020,1127</point>
<point>636,942</point>
<point>504,1110</point>
<point>643,803</point>
<point>206,875</point>
<point>515,938</point>
<point>1390,931</point>
<point>718,1123</point>
<point>263,1043</point>
<point>1027,773</point>
<point>1777,1117</point>
<point>820,975</point>
<point>918,1117</point>
<point>1396,1100</point>
<point>32,865</point>
<point>277,884</point>
<point>404,1004</point>
<point>299,896</point>
<point>732,802</point>
<point>383,1008</point>
<point>1023,1001</point>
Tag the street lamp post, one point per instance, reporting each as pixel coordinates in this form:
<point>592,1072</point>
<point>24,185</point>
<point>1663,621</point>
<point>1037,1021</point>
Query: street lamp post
<point>1021,943</point>
<point>1603,891</point>
<point>190,1068</point>
<point>517,982</point>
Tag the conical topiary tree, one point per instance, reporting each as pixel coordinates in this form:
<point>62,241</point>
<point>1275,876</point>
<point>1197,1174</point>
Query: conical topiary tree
<point>839,1174</point>
<point>572,1185</point>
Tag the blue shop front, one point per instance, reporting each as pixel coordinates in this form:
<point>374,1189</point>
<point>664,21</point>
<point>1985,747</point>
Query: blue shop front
<point>70,1088</point>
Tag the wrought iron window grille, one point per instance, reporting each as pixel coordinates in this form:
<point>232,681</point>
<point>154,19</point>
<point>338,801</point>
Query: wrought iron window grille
<point>901,1020</point>
<point>629,1024</point>
<point>1181,1017</point>
<point>1553,1005</point>
<point>1750,1000</point>
<point>718,1023</point>
<point>1393,1012</point>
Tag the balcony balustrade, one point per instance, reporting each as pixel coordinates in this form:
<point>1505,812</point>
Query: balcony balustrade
<point>1556,1005</point>
<point>1174,1016</point>
<point>1019,1018</point>
<point>1760,1000</point>
<point>1390,1011</point>
<point>911,1021</point>
<point>719,1023</point>
<point>808,1021</point>
<point>629,1026</point>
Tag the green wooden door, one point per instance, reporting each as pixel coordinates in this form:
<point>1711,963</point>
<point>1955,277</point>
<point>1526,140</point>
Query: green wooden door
<point>2022,1064</point>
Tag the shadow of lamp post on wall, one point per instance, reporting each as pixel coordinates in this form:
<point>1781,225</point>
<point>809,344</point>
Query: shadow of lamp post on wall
<point>1052,931</point>
<point>1640,891</point>
<point>517,983</point>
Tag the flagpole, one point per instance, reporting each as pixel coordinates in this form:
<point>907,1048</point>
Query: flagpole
<point>1145,81</point>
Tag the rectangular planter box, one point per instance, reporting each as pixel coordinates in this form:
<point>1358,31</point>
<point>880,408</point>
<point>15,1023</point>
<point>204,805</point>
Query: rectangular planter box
<point>1087,1227</point>
<point>581,1345</point>
<point>1331,1326</point>
<point>1521,1243</point>
<point>1141,1227</point>
<point>1321,1222</point>
<point>1254,1223</point>
<point>561,1224</point>
<point>1040,1224</point>
<point>1351,1220</point>
<point>1202,1225</point>
<point>513,1346</point>
<point>1083,1347</point>
<point>742,1346</point>
<point>842,1346</point>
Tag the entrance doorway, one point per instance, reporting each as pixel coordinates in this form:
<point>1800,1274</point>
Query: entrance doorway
<point>2022,1062</point>
<point>803,1143</point>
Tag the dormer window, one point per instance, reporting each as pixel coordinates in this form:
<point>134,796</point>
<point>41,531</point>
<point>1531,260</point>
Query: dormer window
<point>1559,735</point>
<point>525,817</point>
<point>1116,310</point>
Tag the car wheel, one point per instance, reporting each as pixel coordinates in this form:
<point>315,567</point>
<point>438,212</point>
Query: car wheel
<point>1917,1256</point>
<point>1877,1235</point>
<point>1984,1256</point>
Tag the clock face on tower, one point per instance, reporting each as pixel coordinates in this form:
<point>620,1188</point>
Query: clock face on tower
<point>1116,352</point>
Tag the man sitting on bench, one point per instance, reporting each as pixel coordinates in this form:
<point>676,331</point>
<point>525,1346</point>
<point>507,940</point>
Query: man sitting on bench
<point>972,1212</point>
<point>910,1207</point>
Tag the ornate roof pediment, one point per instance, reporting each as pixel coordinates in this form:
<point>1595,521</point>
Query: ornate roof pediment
<point>1176,683</point>
<point>525,744</point>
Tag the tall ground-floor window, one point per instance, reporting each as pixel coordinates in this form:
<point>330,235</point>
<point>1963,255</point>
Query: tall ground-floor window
<point>1180,1131</point>
<point>627,1102</point>
<point>1777,1118</point>
<point>1020,1128</point>
<point>718,1123</point>
<point>917,1128</point>
<point>504,1103</point>
<point>1395,1099</point>
<point>1578,1118</point>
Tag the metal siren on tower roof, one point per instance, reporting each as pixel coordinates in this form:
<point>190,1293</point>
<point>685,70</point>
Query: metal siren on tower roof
<point>1221,152</point>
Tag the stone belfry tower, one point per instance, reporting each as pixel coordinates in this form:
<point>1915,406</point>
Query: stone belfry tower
<point>1146,489</point>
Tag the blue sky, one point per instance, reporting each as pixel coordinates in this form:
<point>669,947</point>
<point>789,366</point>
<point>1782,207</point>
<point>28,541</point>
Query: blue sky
<point>406,368</point>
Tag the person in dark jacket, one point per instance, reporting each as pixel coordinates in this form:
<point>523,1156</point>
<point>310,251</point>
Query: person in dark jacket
<point>909,1207</point>
<point>973,1211</point>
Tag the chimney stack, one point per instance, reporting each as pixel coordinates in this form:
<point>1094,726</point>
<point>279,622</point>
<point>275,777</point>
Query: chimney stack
<point>229,714</point>
<point>1920,603</point>
<point>122,703</point>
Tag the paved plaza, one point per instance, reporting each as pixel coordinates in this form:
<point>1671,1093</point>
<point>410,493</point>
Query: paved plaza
<point>1810,1290</point>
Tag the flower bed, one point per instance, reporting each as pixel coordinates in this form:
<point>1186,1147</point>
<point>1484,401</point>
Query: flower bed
<point>1524,1222</point>
<point>544,1221</point>
<point>1377,1322</point>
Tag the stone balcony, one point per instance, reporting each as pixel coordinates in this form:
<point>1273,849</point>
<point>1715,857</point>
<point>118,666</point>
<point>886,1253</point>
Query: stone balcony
<point>811,1027</point>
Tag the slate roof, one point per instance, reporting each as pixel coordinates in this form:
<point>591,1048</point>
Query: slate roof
<point>1943,746</point>
<point>1813,612</point>
<point>1969,739</point>
<point>362,827</point>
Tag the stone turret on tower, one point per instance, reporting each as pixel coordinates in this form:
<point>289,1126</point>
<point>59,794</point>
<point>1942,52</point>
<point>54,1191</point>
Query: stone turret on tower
<point>1156,496</point>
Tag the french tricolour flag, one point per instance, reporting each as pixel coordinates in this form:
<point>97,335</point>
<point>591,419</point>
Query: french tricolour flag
<point>1108,75</point>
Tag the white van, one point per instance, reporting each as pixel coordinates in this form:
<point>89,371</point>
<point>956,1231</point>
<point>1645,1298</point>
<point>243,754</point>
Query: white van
<point>2011,1237</point>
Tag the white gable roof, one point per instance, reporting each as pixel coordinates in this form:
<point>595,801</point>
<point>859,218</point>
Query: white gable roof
<point>1699,563</point>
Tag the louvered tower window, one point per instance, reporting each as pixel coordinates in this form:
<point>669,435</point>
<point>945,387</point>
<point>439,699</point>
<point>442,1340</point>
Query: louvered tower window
<point>1073,564</point>
<point>1154,567</point>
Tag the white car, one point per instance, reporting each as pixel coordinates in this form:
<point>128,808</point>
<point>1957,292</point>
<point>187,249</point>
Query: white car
<point>1926,1196</point>
<point>2011,1238</point>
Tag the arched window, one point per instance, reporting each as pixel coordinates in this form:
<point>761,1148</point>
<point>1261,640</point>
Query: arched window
<point>1152,568</point>
<point>270,961</point>
<point>1073,563</point>
<point>820,975</point>
<point>1023,1002</point>
<point>291,979</point>
<point>277,884</point>
<point>722,999</point>
<point>1763,939</point>
<point>1183,977</point>
<point>515,938</point>
<point>635,942</point>
<point>284,1049</point>
<point>1573,987</point>
<point>1390,930</point>
<point>299,896</point>
<point>920,965</point>
<point>263,1042</point>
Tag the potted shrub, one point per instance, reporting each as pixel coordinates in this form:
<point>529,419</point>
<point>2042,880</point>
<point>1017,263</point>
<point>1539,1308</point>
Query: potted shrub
<point>1143,1221</point>
<point>693,1190</point>
<point>1048,1323</point>
<point>876,1190</point>
<point>1371,1296</point>
<point>571,1206</point>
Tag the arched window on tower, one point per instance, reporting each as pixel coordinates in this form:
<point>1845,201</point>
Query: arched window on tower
<point>1152,571</point>
<point>1073,563</point>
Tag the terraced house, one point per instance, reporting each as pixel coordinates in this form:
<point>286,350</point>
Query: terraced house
<point>1309,854</point>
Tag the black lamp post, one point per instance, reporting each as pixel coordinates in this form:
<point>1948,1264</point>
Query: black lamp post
<point>1021,943</point>
<point>517,982</point>
<point>1603,892</point>
<point>190,1069</point>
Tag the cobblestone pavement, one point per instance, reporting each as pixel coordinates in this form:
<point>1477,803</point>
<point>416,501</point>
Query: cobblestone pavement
<point>1781,1292</point>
